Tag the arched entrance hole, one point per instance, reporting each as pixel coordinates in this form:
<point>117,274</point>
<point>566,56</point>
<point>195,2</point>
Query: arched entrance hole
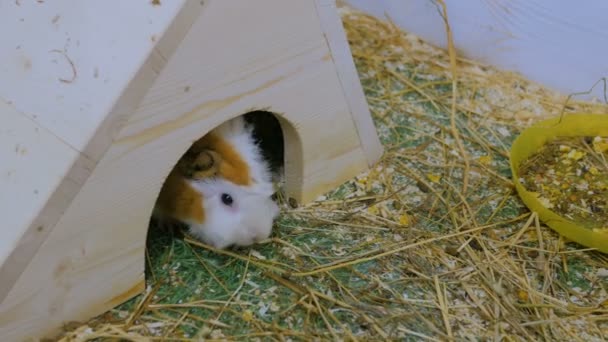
<point>281,148</point>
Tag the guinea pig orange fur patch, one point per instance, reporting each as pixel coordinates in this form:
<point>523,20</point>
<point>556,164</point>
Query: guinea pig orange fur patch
<point>233,167</point>
<point>179,200</point>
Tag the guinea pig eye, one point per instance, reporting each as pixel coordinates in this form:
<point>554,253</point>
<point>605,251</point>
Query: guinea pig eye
<point>227,199</point>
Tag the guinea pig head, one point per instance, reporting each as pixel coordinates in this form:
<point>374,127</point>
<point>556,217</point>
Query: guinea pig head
<point>234,214</point>
<point>226,167</point>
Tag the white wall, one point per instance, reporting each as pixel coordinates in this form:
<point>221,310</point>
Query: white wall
<point>561,44</point>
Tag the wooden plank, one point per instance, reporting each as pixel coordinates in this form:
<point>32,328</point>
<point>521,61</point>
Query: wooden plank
<point>26,188</point>
<point>90,53</point>
<point>33,165</point>
<point>351,84</point>
<point>167,42</point>
<point>78,169</point>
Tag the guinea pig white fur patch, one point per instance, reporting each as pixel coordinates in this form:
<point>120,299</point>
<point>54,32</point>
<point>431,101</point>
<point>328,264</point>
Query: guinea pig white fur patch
<point>232,214</point>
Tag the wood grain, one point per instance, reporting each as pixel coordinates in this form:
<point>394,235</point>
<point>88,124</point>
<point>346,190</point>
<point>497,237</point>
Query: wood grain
<point>275,58</point>
<point>32,225</point>
<point>351,84</point>
<point>25,187</point>
<point>89,54</point>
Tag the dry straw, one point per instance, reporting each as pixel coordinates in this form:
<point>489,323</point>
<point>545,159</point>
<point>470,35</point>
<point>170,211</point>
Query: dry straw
<point>432,244</point>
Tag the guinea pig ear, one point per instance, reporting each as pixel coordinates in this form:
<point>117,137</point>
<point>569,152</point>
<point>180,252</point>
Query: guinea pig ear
<point>205,164</point>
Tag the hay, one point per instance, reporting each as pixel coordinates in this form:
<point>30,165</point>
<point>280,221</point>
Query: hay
<point>407,250</point>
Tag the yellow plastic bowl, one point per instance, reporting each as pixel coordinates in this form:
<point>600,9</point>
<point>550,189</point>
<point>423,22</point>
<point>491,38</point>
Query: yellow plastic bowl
<point>529,142</point>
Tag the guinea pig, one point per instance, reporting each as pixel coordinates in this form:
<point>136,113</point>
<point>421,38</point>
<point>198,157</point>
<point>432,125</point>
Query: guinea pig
<point>221,189</point>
